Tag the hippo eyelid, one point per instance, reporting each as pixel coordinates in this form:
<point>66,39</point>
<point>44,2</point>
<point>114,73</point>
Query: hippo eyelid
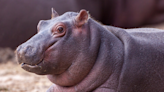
<point>55,31</point>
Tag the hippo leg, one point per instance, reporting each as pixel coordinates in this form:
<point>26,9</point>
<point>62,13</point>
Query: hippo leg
<point>104,90</point>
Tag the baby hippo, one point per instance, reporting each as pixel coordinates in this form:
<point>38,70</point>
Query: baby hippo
<point>79,54</point>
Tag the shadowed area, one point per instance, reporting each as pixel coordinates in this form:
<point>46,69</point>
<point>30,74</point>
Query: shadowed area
<point>20,17</point>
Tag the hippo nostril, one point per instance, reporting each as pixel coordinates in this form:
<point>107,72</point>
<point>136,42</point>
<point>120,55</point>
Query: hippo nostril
<point>28,49</point>
<point>25,52</point>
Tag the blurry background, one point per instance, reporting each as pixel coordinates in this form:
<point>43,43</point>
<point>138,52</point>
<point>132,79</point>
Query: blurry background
<point>19,18</point>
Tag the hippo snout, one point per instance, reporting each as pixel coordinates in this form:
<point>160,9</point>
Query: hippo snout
<point>28,54</point>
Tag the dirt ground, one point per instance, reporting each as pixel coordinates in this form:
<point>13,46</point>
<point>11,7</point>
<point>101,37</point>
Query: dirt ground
<point>15,79</point>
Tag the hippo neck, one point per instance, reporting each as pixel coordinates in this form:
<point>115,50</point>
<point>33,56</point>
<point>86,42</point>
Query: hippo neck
<point>108,53</point>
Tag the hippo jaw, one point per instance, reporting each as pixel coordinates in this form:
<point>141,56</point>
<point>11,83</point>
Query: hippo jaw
<point>24,55</point>
<point>31,56</point>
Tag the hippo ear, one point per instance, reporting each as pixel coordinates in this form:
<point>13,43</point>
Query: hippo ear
<point>81,18</point>
<point>54,13</point>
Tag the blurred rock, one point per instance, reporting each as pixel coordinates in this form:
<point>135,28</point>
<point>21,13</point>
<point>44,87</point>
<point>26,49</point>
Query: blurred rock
<point>7,55</point>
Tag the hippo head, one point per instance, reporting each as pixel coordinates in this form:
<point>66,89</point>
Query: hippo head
<point>61,49</point>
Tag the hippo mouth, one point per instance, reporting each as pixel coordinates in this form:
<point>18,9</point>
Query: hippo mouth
<point>39,61</point>
<point>38,68</point>
<point>32,65</point>
<point>29,64</point>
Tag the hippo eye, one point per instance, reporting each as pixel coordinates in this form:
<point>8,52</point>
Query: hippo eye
<point>60,29</point>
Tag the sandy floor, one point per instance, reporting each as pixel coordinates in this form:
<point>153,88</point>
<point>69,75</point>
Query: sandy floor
<point>15,79</point>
